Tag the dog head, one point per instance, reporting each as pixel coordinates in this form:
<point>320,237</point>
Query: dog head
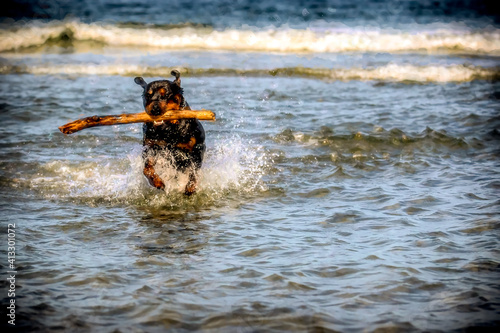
<point>160,96</point>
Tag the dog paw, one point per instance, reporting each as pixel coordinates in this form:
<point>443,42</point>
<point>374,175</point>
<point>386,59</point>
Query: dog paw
<point>190,189</point>
<point>158,184</point>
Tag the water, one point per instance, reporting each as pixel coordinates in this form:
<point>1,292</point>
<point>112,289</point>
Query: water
<point>350,183</point>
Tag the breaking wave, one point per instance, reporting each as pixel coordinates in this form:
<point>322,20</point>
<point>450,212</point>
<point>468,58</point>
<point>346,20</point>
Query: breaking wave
<point>390,72</point>
<point>286,40</point>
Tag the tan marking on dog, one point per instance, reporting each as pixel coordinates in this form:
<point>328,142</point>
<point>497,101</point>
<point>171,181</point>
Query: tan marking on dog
<point>188,146</point>
<point>173,105</point>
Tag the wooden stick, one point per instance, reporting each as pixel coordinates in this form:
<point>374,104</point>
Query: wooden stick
<point>128,118</point>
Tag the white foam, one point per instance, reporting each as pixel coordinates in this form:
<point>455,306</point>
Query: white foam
<point>432,73</point>
<point>390,72</point>
<point>231,165</point>
<point>269,40</point>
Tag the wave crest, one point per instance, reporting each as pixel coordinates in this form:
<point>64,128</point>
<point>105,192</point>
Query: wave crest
<point>389,73</point>
<point>286,40</point>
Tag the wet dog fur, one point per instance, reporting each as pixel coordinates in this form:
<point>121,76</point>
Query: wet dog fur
<point>183,140</point>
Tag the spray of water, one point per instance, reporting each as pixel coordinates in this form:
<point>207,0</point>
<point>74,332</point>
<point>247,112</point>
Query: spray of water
<point>232,165</point>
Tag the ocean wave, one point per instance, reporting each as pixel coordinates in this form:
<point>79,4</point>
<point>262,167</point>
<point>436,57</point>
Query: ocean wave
<point>33,35</point>
<point>379,138</point>
<point>389,73</point>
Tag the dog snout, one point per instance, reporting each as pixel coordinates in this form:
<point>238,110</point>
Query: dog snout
<point>156,110</point>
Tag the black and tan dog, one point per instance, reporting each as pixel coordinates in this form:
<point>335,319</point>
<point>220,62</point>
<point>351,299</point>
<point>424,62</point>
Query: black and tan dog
<point>183,141</point>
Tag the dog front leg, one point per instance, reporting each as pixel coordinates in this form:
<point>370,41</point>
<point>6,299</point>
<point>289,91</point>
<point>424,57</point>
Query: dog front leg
<point>192,183</point>
<point>151,175</point>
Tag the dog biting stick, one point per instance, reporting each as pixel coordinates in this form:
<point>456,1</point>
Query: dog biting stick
<point>141,117</point>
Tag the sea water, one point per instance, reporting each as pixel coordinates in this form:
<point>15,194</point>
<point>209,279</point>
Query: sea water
<point>351,179</point>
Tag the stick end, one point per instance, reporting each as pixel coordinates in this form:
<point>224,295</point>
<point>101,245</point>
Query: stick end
<point>213,116</point>
<point>65,130</point>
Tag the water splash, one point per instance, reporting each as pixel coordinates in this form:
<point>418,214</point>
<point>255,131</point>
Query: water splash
<point>232,165</point>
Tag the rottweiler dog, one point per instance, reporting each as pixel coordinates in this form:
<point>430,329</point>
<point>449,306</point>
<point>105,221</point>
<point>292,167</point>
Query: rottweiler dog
<point>182,141</point>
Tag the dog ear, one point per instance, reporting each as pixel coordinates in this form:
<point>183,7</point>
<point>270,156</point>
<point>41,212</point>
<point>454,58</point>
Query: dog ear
<point>177,75</point>
<point>140,81</point>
